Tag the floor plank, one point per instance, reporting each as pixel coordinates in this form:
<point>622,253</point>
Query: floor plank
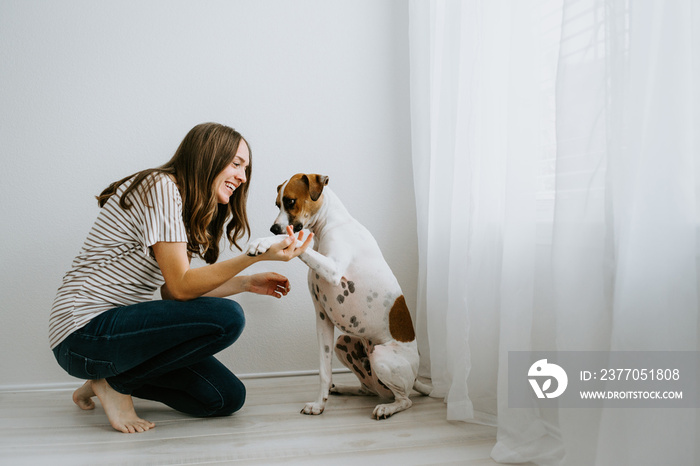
<point>47,428</point>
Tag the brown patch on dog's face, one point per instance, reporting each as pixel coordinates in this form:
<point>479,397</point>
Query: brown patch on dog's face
<point>298,200</point>
<point>400,323</point>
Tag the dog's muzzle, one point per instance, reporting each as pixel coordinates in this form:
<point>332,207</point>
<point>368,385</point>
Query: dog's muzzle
<point>278,229</point>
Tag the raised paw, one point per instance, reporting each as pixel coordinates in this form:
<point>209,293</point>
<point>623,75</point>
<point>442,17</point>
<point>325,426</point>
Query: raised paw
<point>313,408</point>
<point>261,245</point>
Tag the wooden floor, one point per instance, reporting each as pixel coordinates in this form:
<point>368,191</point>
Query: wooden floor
<point>46,428</point>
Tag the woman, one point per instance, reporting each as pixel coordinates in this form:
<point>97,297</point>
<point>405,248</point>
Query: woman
<point>104,325</point>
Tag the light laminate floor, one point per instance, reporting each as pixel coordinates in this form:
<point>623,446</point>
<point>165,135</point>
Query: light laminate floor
<point>46,428</point>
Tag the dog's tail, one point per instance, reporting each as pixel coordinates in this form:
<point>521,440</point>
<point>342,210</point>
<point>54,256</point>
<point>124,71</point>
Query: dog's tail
<point>422,388</point>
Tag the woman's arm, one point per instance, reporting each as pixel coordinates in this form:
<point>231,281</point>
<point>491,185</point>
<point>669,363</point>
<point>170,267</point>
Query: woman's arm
<point>267,283</point>
<point>235,285</point>
<point>183,283</point>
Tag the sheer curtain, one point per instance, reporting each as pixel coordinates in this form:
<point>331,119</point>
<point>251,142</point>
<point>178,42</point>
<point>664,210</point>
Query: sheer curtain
<point>557,178</point>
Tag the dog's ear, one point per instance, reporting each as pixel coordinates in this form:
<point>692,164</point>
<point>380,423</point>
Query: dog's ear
<point>316,184</point>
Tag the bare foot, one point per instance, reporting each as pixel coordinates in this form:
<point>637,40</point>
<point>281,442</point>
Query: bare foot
<point>83,396</point>
<point>119,409</point>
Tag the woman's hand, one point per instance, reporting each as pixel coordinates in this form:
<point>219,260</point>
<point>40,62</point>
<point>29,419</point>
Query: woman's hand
<point>269,284</point>
<point>288,248</point>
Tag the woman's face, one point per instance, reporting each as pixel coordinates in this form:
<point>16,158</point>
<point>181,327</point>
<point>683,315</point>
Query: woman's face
<point>233,175</point>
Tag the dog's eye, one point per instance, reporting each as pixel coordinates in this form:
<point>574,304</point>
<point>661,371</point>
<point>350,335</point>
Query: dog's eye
<point>289,203</point>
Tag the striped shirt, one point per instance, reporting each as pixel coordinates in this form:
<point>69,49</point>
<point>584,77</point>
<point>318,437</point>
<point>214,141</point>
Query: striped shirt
<point>115,266</point>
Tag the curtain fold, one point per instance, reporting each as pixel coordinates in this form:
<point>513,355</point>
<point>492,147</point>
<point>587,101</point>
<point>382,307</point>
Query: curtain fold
<point>557,178</point>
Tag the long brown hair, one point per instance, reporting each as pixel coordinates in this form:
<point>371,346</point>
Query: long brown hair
<point>204,152</point>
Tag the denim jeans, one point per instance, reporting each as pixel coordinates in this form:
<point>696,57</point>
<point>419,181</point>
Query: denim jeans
<point>162,351</point>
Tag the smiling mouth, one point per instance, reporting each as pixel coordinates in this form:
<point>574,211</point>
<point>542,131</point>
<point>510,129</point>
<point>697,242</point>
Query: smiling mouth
<point>230,186</point>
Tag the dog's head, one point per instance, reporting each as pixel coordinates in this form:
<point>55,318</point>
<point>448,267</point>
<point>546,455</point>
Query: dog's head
<point>298,199</point>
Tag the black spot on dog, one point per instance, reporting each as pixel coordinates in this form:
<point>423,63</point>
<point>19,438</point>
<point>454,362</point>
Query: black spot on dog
<point>342,348</point>
<point>325,299</point>
<point>366,365</point>
<point>382,384</point>
<point>342,284</point>
<point>349,358</point>
<point>322,315</point>
<point>341,298</point>
<point>351,287</point>
<point>358,371</point>
<point>327,349</point>
<point>360,349</point>
<point>317,277</point>
<point>317,289</point>
<point>362,330</point>
<point>347,339</point>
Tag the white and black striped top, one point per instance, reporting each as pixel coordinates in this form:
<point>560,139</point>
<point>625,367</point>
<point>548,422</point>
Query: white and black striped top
<point>114,267</point>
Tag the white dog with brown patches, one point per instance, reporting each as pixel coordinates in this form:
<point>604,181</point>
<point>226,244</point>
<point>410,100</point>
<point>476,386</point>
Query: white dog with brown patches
<point>353,289</point>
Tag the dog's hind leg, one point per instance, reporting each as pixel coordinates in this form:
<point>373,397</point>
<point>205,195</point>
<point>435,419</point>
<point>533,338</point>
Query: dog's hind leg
<point>395,366</point>
<point>422,388</point>
<point>352,353</point>
<point>362,390</point>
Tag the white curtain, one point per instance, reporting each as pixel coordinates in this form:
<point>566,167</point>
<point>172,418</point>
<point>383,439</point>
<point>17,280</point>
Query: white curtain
<point>557,179</point>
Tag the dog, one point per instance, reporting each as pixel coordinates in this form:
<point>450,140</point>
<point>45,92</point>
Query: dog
<point>353,289</point>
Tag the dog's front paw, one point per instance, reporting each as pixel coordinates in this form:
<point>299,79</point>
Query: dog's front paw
<point>313,408</point>
<point>261,245</point>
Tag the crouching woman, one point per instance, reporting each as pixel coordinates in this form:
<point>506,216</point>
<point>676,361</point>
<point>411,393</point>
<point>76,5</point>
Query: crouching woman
<point>105,326</point>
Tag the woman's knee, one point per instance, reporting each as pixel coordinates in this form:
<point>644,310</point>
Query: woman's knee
<point>228,314</point>
<point>235,313</point>
<point>236,319</point>
<point>231,399</point>
<point>234,400</point>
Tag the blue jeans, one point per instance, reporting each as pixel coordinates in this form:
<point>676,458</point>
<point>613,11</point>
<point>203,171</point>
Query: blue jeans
<point>162,351</point>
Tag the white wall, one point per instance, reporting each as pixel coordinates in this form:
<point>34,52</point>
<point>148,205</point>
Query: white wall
<point>91,91</point>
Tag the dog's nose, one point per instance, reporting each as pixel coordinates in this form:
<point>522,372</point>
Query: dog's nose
<point>276,229</point>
